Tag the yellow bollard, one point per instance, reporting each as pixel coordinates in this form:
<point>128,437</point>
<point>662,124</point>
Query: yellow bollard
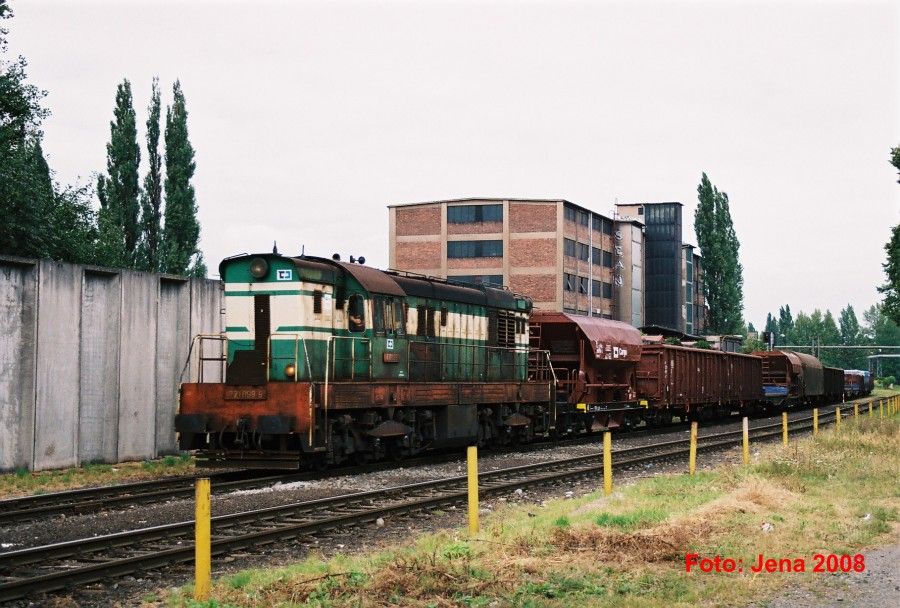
<point>746,442</point>
<point>472,459</point>
<point>607,463</point>
<point>202,541</point>
<point>837,420</point>
<point>855,410</point>
<point>870,409</point>
<point>692,463</point>
<point>815,421</point>
<point>881,409</point>
<point>784,431</point>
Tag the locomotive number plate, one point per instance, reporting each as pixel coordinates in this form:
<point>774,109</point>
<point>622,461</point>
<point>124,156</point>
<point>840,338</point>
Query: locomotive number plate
<point>245,393</point>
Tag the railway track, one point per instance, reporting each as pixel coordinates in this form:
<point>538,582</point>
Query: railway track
<point>90,500</point>
<point>60,566</point>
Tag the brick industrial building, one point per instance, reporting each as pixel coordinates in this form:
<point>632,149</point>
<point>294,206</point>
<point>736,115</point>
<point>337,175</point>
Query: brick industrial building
<point>564,256</point>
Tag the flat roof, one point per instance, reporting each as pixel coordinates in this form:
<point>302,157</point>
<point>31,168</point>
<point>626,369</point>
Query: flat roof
<point>496,199</point>
<point>648,204</point>
<point>492,199</point>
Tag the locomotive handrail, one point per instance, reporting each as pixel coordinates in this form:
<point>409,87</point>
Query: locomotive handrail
<point>298,339</point>
<point>223,357</point>
<point>354,340</point>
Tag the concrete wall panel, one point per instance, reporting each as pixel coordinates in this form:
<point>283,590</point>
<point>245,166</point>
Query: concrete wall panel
<point>18,306</point>
<point>173,340</point>
<point>137,366</point>
<point>101,306</point>
<point>206,318</point>
<point>57,370</point>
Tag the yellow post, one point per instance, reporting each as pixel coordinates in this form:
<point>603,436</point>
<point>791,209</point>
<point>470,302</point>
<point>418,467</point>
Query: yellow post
<point>202,541</point>
<point>784,432</point>
<point>837,420</point>
<point>607,463</point>
<point>692,463</point>
<point>881,409</point>
<point>746,442</point>
<point>815,421</point>
<point>855,410</point>
<point>870,409</point>
<point>472,459</point>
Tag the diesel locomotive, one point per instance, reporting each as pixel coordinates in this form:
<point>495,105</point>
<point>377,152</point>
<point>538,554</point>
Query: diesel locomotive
<point>329,361</point>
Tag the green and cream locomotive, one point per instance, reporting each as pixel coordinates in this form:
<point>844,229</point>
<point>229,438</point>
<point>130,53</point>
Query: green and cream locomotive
<point>329,361</point>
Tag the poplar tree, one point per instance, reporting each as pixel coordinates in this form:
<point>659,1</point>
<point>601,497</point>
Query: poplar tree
<point>151,199</point>
<point>891,289</point>
<point>181,233</point>
<point>723,286</point>
<point>119,190</point>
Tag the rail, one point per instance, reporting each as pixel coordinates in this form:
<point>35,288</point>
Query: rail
<point>298,340</point>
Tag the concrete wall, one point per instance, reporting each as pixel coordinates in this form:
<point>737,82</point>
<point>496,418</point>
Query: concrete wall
<point>91,360</point>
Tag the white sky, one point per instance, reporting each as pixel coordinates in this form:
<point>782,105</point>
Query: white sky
<point>309,118</point>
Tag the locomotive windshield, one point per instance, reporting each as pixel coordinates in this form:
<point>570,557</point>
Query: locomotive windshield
<point>356,314</point>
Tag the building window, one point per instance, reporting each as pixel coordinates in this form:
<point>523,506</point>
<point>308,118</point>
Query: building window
<point>570,213</point>
<point>474,249</point>
<point>569,281</point>
<point>471,214</point>
<point>595,288</point>
<point>583,218</point>
<point>607,259</point>
<point>569,247</point>
<point>583,252</point>
<point>582,285</point>
<point>607,290</point>
<point>478,279</point>
<point>596,256</point>
<point>601,224</point>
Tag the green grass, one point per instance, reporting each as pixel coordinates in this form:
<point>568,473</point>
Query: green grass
<point>23,482</point>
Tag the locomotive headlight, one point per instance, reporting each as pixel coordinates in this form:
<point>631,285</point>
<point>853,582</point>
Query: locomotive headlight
<point>289,370</point>
<point>259,267</point>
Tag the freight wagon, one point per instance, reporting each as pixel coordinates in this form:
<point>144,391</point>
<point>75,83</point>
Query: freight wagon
<point>695,383</point>
<point>790,378</point>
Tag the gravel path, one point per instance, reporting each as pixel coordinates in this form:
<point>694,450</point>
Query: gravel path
<point>877,587</point>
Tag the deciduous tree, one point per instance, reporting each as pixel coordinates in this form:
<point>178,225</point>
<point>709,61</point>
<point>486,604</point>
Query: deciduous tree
<point>181,233</point>
<point>151,199</point>
<point>718,241</point>
<point>119,190</point>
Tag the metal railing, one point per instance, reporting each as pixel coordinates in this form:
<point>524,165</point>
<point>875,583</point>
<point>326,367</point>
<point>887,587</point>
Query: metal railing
<point>364,357</point>
<point>298,340</point>
<point>221,358</point>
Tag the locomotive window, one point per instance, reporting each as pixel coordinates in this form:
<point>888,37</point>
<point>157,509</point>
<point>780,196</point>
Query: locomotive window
<point>421,325</point>
<point>443,316</point>
<point>400,309</point>
<point>317,301</point>
<point>378,317</point>
<point>356,313</point>
<point>430,316</point>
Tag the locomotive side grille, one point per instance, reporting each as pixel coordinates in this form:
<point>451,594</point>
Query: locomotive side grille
<point>506,329</point>
<point>262,326</point>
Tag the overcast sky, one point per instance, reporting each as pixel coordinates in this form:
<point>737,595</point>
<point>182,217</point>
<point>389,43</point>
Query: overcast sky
<point>308,119</point>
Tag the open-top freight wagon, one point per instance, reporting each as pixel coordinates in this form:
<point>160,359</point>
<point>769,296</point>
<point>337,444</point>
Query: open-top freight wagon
<point>697,383</point>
